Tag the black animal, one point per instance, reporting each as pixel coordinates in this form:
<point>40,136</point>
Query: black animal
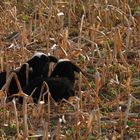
<point>21,74</point>
<point>60,82</point>
<point>65,68</point>
<point>59,88</point>
<point>37,64</point>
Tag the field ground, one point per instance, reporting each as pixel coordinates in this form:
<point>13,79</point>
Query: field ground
<point>103,39</point>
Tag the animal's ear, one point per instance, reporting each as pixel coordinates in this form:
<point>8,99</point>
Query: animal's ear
<point>77,69</point>
<point>52,59</point>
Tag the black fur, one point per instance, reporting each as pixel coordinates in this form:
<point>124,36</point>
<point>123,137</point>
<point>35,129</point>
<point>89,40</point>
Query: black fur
<point>65,69</point>
<point>58,87</point>
<point>36,68</point>
<point>39,65</point>
<point>2,79</point>
<point>60,82</point>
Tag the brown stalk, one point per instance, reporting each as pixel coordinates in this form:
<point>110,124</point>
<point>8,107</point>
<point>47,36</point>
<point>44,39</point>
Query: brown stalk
<point>97,88</point>
<point>7,84</point>
<point>3,97</point>
<point>49,108</point>
<point>136,100</point>
<point>63,40</point>
<point>107,14</point>
<point>89,11</point>
<point>121,124</point>
<point>61,18</point>
<point>25,117</point>
<point>97,83</point>
<point>24,37</point>
<point>89,126</point>
<point>5,87</point>
<point>58,130</point>
<point>124,11</point>
<point>41,110</point>
<point>2,62</point>
<point>92,35</point>
<point>69,13</point>
<point>45,135</point>
<point>80,32</point>
<point>127,112</point>
<point>16,118</point>
<point>128,81</point>
<point>77,123</point>
<point>118,43</point>
<point>80,93</point>
<point>128,39</point>
<point>68,102</point>
<point>138,27</point>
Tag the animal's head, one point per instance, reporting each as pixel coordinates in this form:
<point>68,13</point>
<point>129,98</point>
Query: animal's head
<point>40,62</point>
<point>65,68</point>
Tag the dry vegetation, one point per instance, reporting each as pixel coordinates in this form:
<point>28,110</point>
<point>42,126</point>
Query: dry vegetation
<point>103,38</point>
